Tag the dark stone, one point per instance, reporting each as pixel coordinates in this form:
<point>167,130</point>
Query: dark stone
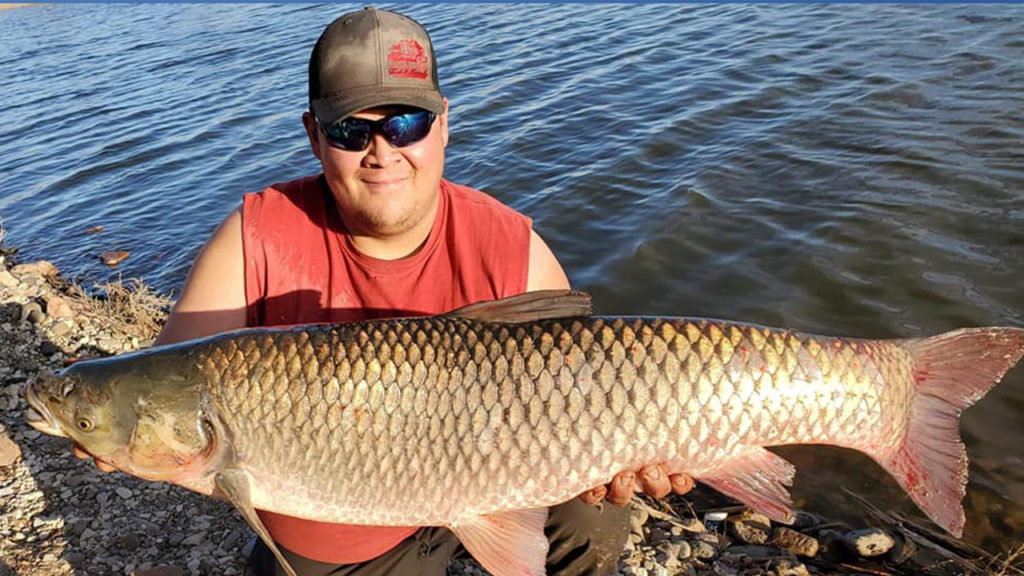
<point>48,348</point>
<point>160,571</point>
<point>76,527</point>
<point>755,552</point>
<point>32,312</point>
<point>128,542</point>
<point>902,551</point>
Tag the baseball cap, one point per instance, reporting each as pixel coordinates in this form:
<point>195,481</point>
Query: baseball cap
<point>372,58</point>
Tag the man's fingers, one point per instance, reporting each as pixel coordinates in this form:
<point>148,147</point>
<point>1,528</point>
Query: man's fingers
<point>620,491</point>
<point>594,495</point>
<point>681,483</point>
<point>655,481</point>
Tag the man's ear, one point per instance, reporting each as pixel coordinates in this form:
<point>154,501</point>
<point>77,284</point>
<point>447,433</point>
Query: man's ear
<point>312,132</point>
<point>443,119</point>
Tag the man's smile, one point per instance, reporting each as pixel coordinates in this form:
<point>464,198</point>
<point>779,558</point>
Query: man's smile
<point>378,182</point>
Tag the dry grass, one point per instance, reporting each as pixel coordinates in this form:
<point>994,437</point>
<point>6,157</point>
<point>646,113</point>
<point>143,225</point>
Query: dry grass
<point>130,306</point>
<point>1011,565</point>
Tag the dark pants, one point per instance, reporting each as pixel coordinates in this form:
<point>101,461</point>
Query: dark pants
<point>583,540</point>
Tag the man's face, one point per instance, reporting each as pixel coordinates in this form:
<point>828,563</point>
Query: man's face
<point>384,191</point>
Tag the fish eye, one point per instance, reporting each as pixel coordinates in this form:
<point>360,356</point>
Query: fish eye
<point>84,424</point>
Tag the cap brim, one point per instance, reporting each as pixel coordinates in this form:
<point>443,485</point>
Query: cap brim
<point>334,107</point>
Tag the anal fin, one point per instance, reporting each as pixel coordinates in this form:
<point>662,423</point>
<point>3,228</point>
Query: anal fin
<point>507,544</point>
<point>234,486</point>
<point>759,479</point>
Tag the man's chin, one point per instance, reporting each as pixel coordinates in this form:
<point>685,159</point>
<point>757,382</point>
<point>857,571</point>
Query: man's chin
<point>384,224</point>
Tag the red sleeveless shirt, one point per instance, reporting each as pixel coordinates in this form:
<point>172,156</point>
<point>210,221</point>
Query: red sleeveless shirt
<point>301,267</point>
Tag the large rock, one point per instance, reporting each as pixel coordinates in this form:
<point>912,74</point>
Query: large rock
<point>795,542</point>
<point>7,279</point>
<point>41,268</point>
<point>9,451</point>
<point>58,307</point>
<point>751,528</point>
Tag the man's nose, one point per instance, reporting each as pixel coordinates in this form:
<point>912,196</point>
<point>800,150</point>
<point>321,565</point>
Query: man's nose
<point>380,152</point>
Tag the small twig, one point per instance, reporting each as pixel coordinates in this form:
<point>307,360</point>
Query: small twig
<point>830,526</point>
<point>669,516</point>
<point>954,543</point>
<point>732,509</point>
<point>689,508</point>
<point>864,570</point>
<point>1007,566</point>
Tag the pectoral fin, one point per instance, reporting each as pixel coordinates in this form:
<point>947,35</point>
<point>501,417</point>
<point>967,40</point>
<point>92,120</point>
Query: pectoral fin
<point>234,486</point>
<point>759,479</point>
<point>507,544</point>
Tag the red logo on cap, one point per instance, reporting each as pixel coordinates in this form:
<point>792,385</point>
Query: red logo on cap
<point>406,59</point>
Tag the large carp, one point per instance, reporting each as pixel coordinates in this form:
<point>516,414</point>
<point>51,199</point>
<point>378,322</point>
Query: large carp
<point>481,418</point>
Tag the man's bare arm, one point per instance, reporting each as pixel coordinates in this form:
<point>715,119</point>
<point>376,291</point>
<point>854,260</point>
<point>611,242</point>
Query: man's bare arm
<point>545,273</point>
<point>213,298</point>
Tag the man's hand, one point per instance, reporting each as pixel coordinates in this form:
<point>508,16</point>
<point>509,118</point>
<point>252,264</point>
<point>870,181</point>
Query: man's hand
<point>654,480</point>
<point>85,456</point>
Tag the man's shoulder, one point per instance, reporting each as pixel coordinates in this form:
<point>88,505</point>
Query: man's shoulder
<point>284,205</point>
<point>299,194</point>
<point>297,187</point>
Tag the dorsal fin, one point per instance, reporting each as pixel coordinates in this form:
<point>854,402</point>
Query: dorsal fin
<point>528,307</point>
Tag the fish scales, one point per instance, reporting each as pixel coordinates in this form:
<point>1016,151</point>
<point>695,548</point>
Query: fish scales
<point>333,421</point>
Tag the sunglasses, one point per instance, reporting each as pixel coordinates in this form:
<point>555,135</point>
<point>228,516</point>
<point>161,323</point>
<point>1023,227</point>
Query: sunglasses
<point>354,134</point>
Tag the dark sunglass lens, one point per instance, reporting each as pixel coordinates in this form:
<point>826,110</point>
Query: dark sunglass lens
<point>405,129</point>
<point>350,134</point>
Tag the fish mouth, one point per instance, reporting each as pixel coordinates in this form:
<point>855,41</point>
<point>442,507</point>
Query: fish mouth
<point>38,415</point>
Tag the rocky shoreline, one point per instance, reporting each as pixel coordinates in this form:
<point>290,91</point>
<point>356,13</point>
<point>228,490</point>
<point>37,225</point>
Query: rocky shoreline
<point>60,516</point>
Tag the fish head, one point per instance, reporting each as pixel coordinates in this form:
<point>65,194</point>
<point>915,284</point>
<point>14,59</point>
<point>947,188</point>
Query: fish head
<point>69,405</point>
<point>139,413</point>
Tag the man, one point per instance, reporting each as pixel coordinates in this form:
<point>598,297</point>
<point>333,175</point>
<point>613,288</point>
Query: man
<point>381,233</point>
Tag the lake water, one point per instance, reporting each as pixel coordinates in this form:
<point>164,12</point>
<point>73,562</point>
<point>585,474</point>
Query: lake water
<point>842,169</point>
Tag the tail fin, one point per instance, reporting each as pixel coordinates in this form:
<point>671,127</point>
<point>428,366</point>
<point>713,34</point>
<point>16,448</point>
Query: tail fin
<point>952,371</point>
